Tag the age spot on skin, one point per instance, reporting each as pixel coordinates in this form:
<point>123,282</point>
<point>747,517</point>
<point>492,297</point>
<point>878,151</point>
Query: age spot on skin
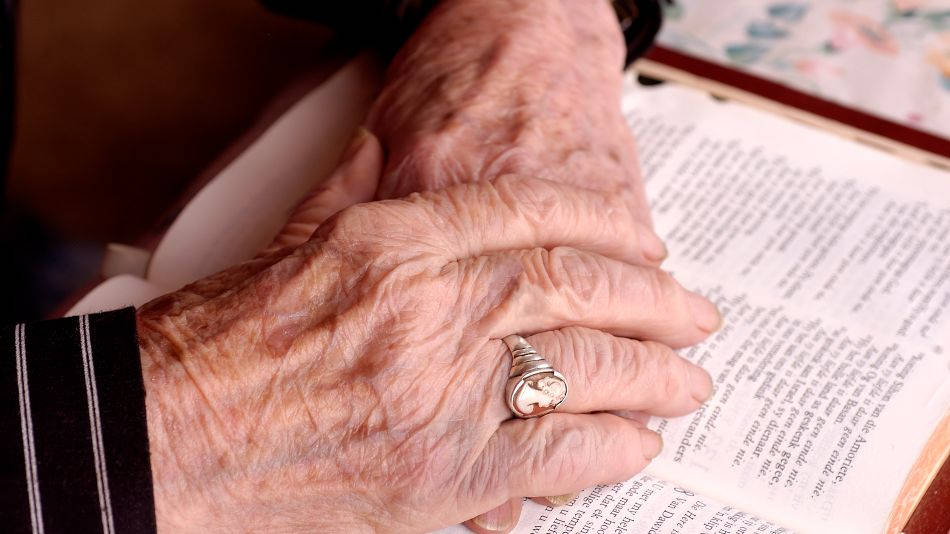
<point>282,332</point>
<point>613,155</point>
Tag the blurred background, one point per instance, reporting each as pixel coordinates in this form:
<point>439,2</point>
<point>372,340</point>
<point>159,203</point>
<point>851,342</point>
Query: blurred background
<point>120,108</point>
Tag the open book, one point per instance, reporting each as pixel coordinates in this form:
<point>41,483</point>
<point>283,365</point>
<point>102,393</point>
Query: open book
<point>831,263</point>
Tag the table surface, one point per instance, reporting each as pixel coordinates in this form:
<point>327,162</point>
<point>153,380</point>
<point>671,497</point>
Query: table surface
<point>832,49</point>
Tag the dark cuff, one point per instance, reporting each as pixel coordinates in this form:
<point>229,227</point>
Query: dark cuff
<point>382,22</point>
<point>640,21</point>
<point>73,435</point>
<point>390,22</point>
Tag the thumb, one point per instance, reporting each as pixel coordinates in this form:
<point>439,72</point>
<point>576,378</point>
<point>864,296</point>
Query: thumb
<point>353,181</point>
<point>499,520</point>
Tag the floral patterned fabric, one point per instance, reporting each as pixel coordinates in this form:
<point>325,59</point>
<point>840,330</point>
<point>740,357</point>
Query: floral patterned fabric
<point>890,58</point>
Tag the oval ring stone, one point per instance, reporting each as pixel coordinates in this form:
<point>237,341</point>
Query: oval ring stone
<point>538,394</point>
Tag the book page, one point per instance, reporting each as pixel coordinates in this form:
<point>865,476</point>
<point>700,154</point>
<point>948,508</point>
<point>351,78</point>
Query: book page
<point>641,504</point>
<point>117,292</point>
<point>831,263</point>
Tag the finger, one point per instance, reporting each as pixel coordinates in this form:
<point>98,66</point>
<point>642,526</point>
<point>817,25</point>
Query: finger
<point>606,372</point>
<point>563,453</point>
<point>556,500</point>
<point>539,290</point>
<point>633,415</point>
<point>353,181</point>
<point>510,212</point>
<point>630,160</point>
<point>502,518</point>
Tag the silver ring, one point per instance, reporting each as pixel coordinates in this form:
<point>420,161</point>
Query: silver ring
<point>534,388</point>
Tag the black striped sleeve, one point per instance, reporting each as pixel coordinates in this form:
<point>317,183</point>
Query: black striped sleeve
<point>73,436</point>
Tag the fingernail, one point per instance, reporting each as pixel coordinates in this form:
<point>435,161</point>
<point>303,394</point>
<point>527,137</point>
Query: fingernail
<point>356,143</point>
<point>700,383</point>
<point>705,313</point>
<point>651,443</point>
<point>500,519</point>
<point>561,500</point>
<point>654,249</point>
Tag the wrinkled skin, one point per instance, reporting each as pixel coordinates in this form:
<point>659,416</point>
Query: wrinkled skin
<point>490,87</point>
<point>486,87</point>
<point>354,382</point>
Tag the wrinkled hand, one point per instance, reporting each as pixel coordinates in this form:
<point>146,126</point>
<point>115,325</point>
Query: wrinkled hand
<point>490,87</point>
<point>354,382</point>
<point>487,87</point>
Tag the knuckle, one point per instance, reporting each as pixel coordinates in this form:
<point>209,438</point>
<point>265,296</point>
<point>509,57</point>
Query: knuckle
<point>555,344</point>
<point>438,214</point>
<point>532,198</point>
<point>634,365</point>
<point>351,223</point>
<point>413,216</point>
<point>534,266</point>
<point>580,277</point>
<point>671,386</point>
<point>507,183</point>
<point>563,451</point>
<point>579,356</point>
<point>377,233</point>
<point>595,355</point>
<point>658,365</point>
<point>659,288</point>
<point>613,359</point>
<point>656,352</point>
<point>643,357</point>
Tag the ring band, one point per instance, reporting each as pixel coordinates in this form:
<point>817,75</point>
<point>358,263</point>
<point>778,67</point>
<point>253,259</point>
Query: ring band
<point>534,387</point>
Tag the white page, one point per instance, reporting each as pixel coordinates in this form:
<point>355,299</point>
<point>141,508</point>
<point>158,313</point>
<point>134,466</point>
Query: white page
<point>117,292</point>
<point>831,261</point>
<point>855,218</point>
<point>641,504</point>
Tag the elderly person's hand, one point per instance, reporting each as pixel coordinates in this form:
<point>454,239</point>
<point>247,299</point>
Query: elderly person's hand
<point>489,87</point>
<point>356,381</point>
